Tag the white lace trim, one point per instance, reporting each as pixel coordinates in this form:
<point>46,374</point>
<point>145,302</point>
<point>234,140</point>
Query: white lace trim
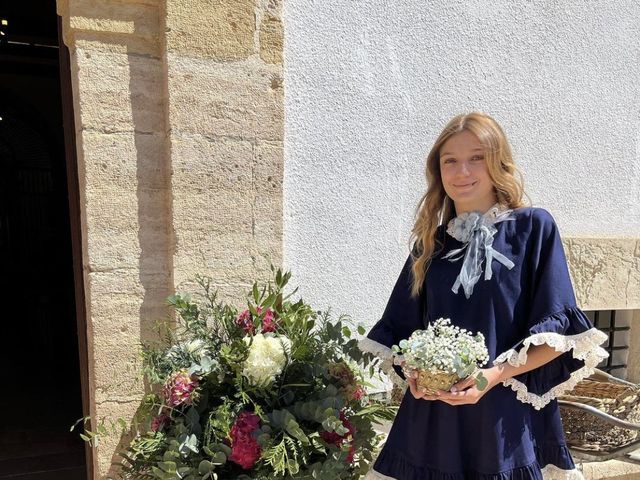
<point>549,472</point>
<point>585,346</point>
<point>386,355</point>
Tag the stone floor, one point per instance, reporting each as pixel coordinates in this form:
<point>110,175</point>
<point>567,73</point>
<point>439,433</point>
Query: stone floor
<point>627,468</point>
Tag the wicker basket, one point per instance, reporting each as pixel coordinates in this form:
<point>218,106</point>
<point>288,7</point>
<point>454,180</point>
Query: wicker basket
<point>432,381</point>
<point>587,431</point>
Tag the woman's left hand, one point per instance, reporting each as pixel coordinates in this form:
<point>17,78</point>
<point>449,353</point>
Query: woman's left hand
<point>465,391</point>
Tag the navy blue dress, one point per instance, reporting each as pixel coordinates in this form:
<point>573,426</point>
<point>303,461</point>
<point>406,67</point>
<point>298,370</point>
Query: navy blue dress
<point>514,432</point>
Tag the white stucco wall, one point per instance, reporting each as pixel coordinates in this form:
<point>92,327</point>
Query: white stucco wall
<point>369,85</point>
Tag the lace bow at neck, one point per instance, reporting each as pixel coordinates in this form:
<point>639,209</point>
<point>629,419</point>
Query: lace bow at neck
<point>476,231</point>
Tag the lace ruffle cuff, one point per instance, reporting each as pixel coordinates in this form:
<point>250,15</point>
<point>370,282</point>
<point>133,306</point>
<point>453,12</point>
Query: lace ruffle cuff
<point>568,331</point>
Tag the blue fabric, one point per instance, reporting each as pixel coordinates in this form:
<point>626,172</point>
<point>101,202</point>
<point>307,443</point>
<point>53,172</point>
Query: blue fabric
<point>500,437</point>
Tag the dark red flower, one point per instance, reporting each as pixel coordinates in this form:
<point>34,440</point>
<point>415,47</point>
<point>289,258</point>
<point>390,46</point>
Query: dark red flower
<point>334,439</point>
<point>159,422</point>
<point>245,450</point>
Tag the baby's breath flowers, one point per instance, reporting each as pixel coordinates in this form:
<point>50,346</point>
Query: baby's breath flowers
<point>445,348</point>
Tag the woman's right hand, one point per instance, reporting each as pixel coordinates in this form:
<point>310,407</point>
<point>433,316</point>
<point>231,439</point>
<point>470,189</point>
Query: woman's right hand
<point>413,387</point>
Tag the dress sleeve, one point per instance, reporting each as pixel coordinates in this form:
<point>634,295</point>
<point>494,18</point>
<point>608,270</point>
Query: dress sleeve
<point>401,317</point>
<point>555,320</point>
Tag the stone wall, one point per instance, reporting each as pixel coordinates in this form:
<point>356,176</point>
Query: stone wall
<point>225,91</point>
<point>178,108</point>
<point>605,272</point>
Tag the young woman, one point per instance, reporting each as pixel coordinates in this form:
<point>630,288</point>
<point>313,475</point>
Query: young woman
<point>508,279</point>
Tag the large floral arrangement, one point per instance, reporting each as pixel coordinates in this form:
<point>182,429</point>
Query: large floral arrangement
<point>442,354</point>
<point>275,390</point>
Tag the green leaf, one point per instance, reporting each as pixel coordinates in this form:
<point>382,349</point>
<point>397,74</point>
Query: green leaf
<point>205,467</point>
<point>169,467</point>
<point>481,382</point>
<point>219,458</point>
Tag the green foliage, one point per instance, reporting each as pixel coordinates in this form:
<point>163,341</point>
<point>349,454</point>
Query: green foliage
<point>316,395</point>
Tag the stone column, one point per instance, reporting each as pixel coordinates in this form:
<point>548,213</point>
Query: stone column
<point>178,115</point>
<point>119,90</point>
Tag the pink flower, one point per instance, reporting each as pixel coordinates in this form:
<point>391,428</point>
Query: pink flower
<point>245,450</point>
<point>159,422</point>
<point>180,389</point>
<point>268,323</point>
<point>358,393</point>
<point>245,322</point>
<point>337,440</point>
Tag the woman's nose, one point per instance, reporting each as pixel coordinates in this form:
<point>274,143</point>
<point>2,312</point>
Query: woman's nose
<point>464,168</point>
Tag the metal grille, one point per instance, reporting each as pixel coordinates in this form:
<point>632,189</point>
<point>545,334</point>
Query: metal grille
<point>617,345</point>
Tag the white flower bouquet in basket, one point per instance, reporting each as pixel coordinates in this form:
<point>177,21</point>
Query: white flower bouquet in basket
<point>443,354</point>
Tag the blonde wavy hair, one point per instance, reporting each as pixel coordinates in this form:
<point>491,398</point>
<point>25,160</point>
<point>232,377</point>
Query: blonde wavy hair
<point>436,208</point>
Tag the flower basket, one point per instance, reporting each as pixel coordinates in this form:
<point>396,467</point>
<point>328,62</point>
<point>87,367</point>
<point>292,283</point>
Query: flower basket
<point>442,355</point>
<point>432,381</point>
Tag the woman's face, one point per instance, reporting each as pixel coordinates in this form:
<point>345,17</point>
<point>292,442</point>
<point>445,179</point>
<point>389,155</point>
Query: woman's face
<point>464,173</point>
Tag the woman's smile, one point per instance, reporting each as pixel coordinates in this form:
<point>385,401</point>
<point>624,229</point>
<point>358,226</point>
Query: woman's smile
<point>466,185</point>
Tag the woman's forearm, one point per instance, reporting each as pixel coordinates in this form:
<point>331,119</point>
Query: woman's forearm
<point>537,355</point>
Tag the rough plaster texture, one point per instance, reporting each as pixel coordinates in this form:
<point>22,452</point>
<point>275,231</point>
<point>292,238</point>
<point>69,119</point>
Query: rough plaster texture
<point>179,122</point>
<point>369,87</point>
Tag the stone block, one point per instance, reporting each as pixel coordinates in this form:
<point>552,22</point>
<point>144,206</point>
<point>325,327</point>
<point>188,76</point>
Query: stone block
<point>605,272</point>
<point>117,371</point>
<point>127,160</point>
<point>216,29</point>
<point>269,168</point>
<point>202,165</point>
<point>239,101</point>
<point>271,39</point>
<point>120,92</point>
<point>223,255</point>
<point>115,17</point>
<point>113,43</point>
<point>116,440</point>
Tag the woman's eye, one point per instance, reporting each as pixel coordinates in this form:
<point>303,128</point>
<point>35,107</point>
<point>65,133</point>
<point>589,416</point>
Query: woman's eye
<point>478,157</point>
<point>449,160</point>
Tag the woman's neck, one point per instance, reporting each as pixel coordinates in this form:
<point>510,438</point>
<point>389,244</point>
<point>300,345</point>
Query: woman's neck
<point>482,207</point>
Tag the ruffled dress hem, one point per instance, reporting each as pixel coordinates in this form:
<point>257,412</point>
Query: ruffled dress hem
<point>550,457</point>
<point>550,472</point>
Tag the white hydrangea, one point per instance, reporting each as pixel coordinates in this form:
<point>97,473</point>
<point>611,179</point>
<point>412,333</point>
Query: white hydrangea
<point>267,357</point>
<point>444,347</point>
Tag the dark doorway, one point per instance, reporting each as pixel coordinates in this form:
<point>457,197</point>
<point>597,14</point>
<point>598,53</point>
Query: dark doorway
<point>42,394</point>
